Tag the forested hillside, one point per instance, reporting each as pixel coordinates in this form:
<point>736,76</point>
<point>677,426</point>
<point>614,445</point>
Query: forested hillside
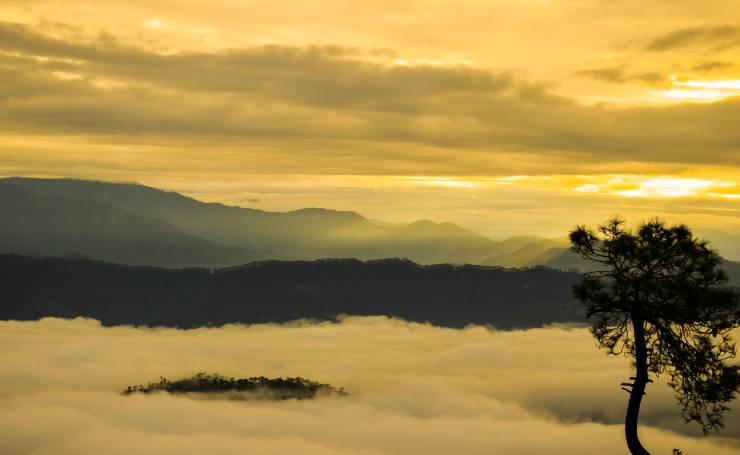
<point>277,291</point>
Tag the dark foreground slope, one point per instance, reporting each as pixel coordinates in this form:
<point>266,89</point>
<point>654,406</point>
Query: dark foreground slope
<point>277,291</point>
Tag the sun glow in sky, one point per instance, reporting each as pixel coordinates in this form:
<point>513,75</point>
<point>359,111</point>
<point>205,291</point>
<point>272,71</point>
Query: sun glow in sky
<point>733,85</point>
<point>670,187</point>
<point>440,181</point>
<point>615,185</point>
<point>154,23</point>
<point>506,117</point>
<point>702,90</point>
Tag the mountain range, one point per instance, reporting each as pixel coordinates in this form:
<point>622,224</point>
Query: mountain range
<point>139,225</point>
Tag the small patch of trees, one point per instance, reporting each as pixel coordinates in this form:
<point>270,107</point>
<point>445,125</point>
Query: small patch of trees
<point>256,387</point>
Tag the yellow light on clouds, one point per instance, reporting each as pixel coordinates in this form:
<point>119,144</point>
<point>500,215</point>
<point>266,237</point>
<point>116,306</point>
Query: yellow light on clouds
<point>587,188</point>
<point>67,75</point>
<point>661,187</point>
<point>668,187</point>
<point>702,91</point>
<point>441,181</point>
<point>735,85</point>
<point>625,185</point>
<point>706,96</point>
<point>154,23</point>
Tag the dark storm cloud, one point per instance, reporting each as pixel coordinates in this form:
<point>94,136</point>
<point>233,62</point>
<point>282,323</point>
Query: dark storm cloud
<point>715,36</point>
<point>287,96</point>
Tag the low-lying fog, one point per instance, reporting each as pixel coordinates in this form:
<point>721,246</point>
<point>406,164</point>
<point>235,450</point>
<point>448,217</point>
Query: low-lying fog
<point>414,389</point>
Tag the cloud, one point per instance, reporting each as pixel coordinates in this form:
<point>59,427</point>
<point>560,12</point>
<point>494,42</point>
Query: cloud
<point>414,389</point>
<point>610,74</point>
<point>620,75</point>
<point>711,66</point>
<point>328,102</point>
<point>316,76</point>
<point>415,31</point>
<point>649,77</point>
<point>716,36</point>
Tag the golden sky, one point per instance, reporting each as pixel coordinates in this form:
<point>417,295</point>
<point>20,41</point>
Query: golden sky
<point>508,117</point>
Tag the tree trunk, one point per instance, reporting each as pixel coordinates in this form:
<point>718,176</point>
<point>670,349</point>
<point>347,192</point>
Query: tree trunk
<point>638,389</point>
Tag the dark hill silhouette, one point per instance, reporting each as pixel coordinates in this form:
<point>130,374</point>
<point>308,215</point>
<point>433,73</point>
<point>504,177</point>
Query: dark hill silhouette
<point>536,251</point>
<point>568,260</point>
<point>276,291</point>
<point>58,226</point>
<point>565,259</point>
<point>733,272</point>
<point>302,234</point>
<point>727,244</point>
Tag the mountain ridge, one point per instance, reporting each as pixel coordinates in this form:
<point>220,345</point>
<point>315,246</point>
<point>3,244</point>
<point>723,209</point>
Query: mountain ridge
<point>57,226</point>
<point>309,233</point>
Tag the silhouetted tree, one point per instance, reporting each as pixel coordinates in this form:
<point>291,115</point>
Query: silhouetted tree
<point>659,299</point>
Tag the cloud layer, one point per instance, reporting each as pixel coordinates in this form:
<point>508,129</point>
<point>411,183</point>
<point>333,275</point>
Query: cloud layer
<point>333,101</point>
<point>718,36</point>
<point>414,389</point>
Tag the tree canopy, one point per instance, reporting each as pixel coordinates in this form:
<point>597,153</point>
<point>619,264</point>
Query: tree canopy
<point>659,297</point>
<point>257,387</point>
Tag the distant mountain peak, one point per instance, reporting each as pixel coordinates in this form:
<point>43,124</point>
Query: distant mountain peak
<point>431,224</point>
<point>55,225</point>
<point>318,211</point>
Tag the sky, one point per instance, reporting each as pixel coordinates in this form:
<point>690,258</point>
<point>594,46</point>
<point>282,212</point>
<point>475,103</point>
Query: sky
<point>413,388</point>
<point>506,117</point>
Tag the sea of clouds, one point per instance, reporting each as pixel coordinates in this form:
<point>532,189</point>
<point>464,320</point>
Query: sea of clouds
<point>414,389</point>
